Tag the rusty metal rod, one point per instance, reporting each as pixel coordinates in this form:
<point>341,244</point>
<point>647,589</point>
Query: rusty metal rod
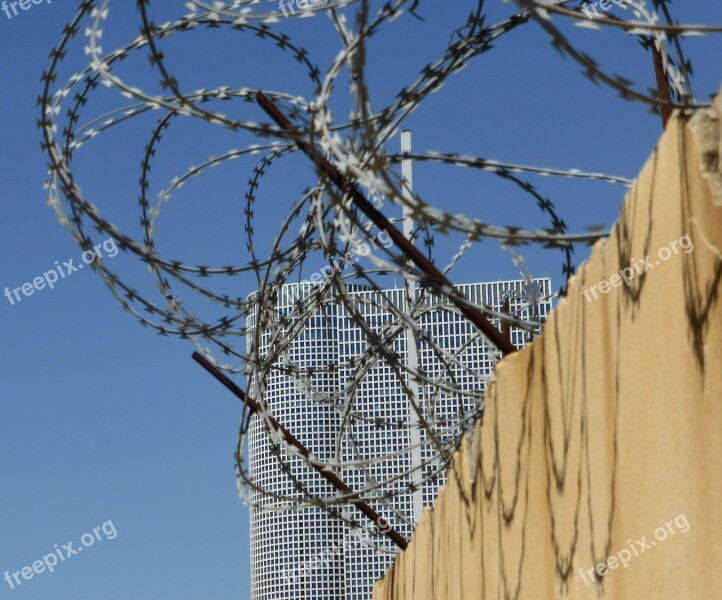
<point>505,325</point>
<point>288,436</point>
<point>423,263</point>
<point>665,93</point>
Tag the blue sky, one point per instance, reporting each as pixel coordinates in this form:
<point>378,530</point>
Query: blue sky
<point>103,420</point>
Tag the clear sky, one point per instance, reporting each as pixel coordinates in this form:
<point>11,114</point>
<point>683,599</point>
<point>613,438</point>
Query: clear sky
<point>104,421</point>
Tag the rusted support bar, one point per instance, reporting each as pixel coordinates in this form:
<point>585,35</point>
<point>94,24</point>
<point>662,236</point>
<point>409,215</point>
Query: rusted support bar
<point>288,436</point>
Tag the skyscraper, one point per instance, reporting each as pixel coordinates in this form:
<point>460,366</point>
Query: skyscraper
<point>310,554</point>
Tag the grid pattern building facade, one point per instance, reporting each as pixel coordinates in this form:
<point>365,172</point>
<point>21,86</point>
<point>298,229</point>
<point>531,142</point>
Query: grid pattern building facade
<point>310,554</point>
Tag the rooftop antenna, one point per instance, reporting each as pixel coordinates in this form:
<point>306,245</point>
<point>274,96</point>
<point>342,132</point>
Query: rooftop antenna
<point>412,354</point>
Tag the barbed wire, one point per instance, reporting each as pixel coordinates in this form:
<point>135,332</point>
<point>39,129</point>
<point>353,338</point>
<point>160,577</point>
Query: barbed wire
<point>258,335</point>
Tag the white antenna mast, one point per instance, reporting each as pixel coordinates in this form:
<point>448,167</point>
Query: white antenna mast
<point>412,354</point>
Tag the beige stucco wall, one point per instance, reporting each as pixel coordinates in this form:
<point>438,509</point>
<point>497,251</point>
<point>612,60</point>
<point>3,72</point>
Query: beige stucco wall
<point>605,429</point>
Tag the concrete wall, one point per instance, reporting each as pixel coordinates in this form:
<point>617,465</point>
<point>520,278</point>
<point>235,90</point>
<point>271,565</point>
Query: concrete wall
<point>608,427</point>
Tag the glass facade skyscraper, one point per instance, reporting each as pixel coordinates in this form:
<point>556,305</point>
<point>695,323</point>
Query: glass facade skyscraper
<point>310,554</point>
